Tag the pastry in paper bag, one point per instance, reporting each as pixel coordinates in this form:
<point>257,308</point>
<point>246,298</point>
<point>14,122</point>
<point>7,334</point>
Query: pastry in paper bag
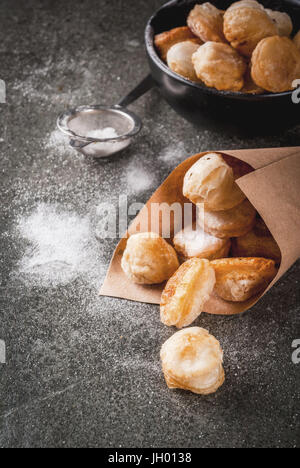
<point>272,185</point>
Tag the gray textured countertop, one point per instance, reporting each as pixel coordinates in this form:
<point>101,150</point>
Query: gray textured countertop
<point>84,370</point>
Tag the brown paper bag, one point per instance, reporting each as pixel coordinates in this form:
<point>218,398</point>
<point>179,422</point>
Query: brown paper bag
<point>274,190</point>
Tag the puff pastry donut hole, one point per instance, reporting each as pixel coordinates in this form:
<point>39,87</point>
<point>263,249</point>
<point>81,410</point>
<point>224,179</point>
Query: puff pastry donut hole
<point>297,40</point>
<point>149,259</point>
<point>211,181</point>
<point>206,22</point>
<point>194,242</point>
<point>246,23</point>
<point>230,223</point>
<point>192,359</point>
<point>219,66</point>
<point>239,279</point>
<point>179,59</point>
<point>186,293</point>
<point>259,242</point>
<point>250,87</point>
<point>282,21</point>
<point>276,64</point>
<point>166,40</point>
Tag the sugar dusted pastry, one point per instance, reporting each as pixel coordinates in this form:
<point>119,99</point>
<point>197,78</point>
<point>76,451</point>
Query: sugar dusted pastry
<point>179,59</point>
<point>257,243</point>
<point>230,223</point>
<point>192,359</point>
<point>239,279</point>
<point>206,22</point>
<point>211,181</point>
<point>194,242</point>
<point>219,66</point>
<point>282,21</point>
<point>186,293</point>
<point>149,259</point>
<point>297,40</point>
<point>246,23</point>
<point>276,64</point>
<point>166,40</point>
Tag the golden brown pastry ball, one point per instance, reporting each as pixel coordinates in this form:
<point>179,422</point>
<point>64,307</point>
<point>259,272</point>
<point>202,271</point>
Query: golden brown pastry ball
<point>229,223</point>
<point>219,66</point>
<point>194,242</point>
<point>249,86</point>
<point>179,59</point>
<point>246,23</point>
<point>257,243</point>
<point>192,359</point>
<point>149,259</point>
<point>186,293</point>
<point>166,40</point>
<point>282,21</point>
<point>211,181</point>
<point>275,64</point>
<point>297,40</point>
<point>239,279</point>
<point>206,22</point>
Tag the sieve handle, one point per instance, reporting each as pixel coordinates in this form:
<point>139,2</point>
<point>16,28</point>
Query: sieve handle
<point>137,92</point>
<point>79,145</point>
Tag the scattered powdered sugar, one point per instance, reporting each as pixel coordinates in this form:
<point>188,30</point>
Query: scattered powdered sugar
<point>173,154</point>
<point>58,142</point>
<point>138,179</point>
<point>62,247</point>
<point>134,43</point>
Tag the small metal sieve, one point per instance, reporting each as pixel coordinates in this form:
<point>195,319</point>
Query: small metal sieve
<point>79,122</point>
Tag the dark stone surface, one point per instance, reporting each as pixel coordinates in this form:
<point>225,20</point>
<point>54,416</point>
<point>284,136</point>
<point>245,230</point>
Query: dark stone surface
<point>84,370</point>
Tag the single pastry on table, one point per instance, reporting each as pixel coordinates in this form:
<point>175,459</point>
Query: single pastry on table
<point>192,359</point>
<point>282,21</point>
<point>179,59</point>
<point>219,66</point>
<point>206,22</point>
<point>275,64</point>
<point>229,223</point>
<point>259,242</point>
<point>211,181</point>
<point>149,259</point>
<point>192,242</point>
<point>166,40</point>
<point>239,279</point>
<point>297,40</point>
<point>186,293</point>
<point>246,23</point>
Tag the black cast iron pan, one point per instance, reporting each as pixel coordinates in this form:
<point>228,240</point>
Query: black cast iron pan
<point>206,107</point>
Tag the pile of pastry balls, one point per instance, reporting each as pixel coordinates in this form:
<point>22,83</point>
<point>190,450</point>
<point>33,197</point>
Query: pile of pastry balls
<point>198,264</point>
<point>246,48</point>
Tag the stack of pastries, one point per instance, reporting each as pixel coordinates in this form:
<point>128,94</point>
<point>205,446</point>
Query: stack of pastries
<point>227,251</point>
<point>246,48</point>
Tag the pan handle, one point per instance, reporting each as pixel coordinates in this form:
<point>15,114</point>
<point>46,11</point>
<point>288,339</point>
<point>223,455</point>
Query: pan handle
<point>136,93</point>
